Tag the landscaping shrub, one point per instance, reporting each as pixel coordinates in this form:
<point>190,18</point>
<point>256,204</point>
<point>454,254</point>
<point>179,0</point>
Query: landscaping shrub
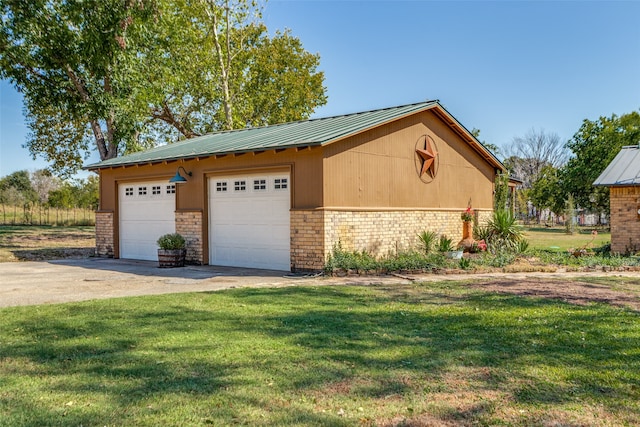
<point>504,232</point>
<point>604,250</point>
<point>340,259</point>
<point>410,260</point>
<point>445,244</point>
<point>465,263</point>
<point>427,241</point>
<point>506,245</point>
<point>522,246</point>
<point>482,232</point>
<point>350,260</point>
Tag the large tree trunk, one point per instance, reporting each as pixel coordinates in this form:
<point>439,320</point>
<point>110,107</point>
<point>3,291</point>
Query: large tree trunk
<point>225,64</point>
<point>107,149</point>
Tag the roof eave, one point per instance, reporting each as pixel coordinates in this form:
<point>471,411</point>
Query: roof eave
<point>98,166</point>
<point>616,184</point>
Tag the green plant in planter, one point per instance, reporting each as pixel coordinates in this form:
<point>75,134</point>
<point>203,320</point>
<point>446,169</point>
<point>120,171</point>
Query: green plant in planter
<point>172,241</point>
<point>172,251</point>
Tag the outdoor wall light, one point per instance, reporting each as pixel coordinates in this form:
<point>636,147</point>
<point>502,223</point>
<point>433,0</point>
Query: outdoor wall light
<point>179,179</point>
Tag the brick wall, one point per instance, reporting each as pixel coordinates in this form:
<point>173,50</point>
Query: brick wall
<point>104,234</point>
<point>307,240</point>
<point>314,233</point>
<point>384,232</point>
<point>189,225</point>
<point>625,222</point>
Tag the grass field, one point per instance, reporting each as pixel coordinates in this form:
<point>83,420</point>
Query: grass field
<point>556,238</point>
<point>34,243</point>
<point>42,215</point>
<point>436,354</point>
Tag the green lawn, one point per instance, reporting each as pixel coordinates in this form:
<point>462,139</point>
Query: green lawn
<point>436,354</point>
<point>556,238</point>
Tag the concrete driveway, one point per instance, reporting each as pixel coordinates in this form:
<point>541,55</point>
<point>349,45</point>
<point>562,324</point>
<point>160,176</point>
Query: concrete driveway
<point>32,283</point>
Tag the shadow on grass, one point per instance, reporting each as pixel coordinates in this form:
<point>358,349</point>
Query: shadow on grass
<point>230,355</point>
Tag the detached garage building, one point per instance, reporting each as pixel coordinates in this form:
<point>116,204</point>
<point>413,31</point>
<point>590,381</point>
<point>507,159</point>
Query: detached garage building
<point>282,196</point>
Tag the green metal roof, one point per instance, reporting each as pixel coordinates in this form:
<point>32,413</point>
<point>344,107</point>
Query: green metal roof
<point>304,133</point>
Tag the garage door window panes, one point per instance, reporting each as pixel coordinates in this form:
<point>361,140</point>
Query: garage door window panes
<point>142,191</point>
<point>221,186</point>
<point>259,184</point>
<point>156,190</point>
<point>128,191</point>
<point>280,183</point>
<point>240,186</point>
<point>171,189</point>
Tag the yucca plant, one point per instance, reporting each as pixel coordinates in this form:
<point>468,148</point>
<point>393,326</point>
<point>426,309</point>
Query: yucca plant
<point>427,241</point>
<point>482,232</point>
<point>503,230</point>
<point>522,246</point>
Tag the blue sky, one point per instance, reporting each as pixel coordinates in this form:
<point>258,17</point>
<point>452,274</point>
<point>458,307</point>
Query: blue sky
<point>502,67</point>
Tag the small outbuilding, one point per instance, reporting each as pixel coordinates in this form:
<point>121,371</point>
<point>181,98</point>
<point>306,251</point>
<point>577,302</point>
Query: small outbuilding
<point>622,176</point>
<point>282,196</point>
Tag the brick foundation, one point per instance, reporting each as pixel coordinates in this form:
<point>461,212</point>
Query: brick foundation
<point>314,233</point>
<point>307,240</point>
<point>625,221</point>
<point>104,234</point>
<point>189,225</point>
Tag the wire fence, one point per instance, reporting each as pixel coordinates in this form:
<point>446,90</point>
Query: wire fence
<point>45,215</point>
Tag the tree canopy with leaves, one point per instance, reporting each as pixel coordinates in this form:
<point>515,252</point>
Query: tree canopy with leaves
<point>119,75</point>
<point>547,191</point>
<point>71,61</point>
<point>217,68</point>
<point>16,188</point>
<point>594,146</point>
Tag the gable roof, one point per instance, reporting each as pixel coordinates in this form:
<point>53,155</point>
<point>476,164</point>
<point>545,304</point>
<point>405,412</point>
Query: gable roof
<point>624,169</point>
<point>304,133</point>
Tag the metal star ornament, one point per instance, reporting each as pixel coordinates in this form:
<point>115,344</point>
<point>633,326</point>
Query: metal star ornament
<point>428,155</point>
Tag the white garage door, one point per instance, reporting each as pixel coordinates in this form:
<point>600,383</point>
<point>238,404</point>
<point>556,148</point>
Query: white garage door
<point>147,211</point>
<point>249,221</point>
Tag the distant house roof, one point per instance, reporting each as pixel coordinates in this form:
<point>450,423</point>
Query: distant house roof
<point>624,169</point>
<point>515,181</point>
<point>305,133</point>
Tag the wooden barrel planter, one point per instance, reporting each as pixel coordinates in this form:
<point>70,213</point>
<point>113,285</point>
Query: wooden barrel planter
<point>169,258</point>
